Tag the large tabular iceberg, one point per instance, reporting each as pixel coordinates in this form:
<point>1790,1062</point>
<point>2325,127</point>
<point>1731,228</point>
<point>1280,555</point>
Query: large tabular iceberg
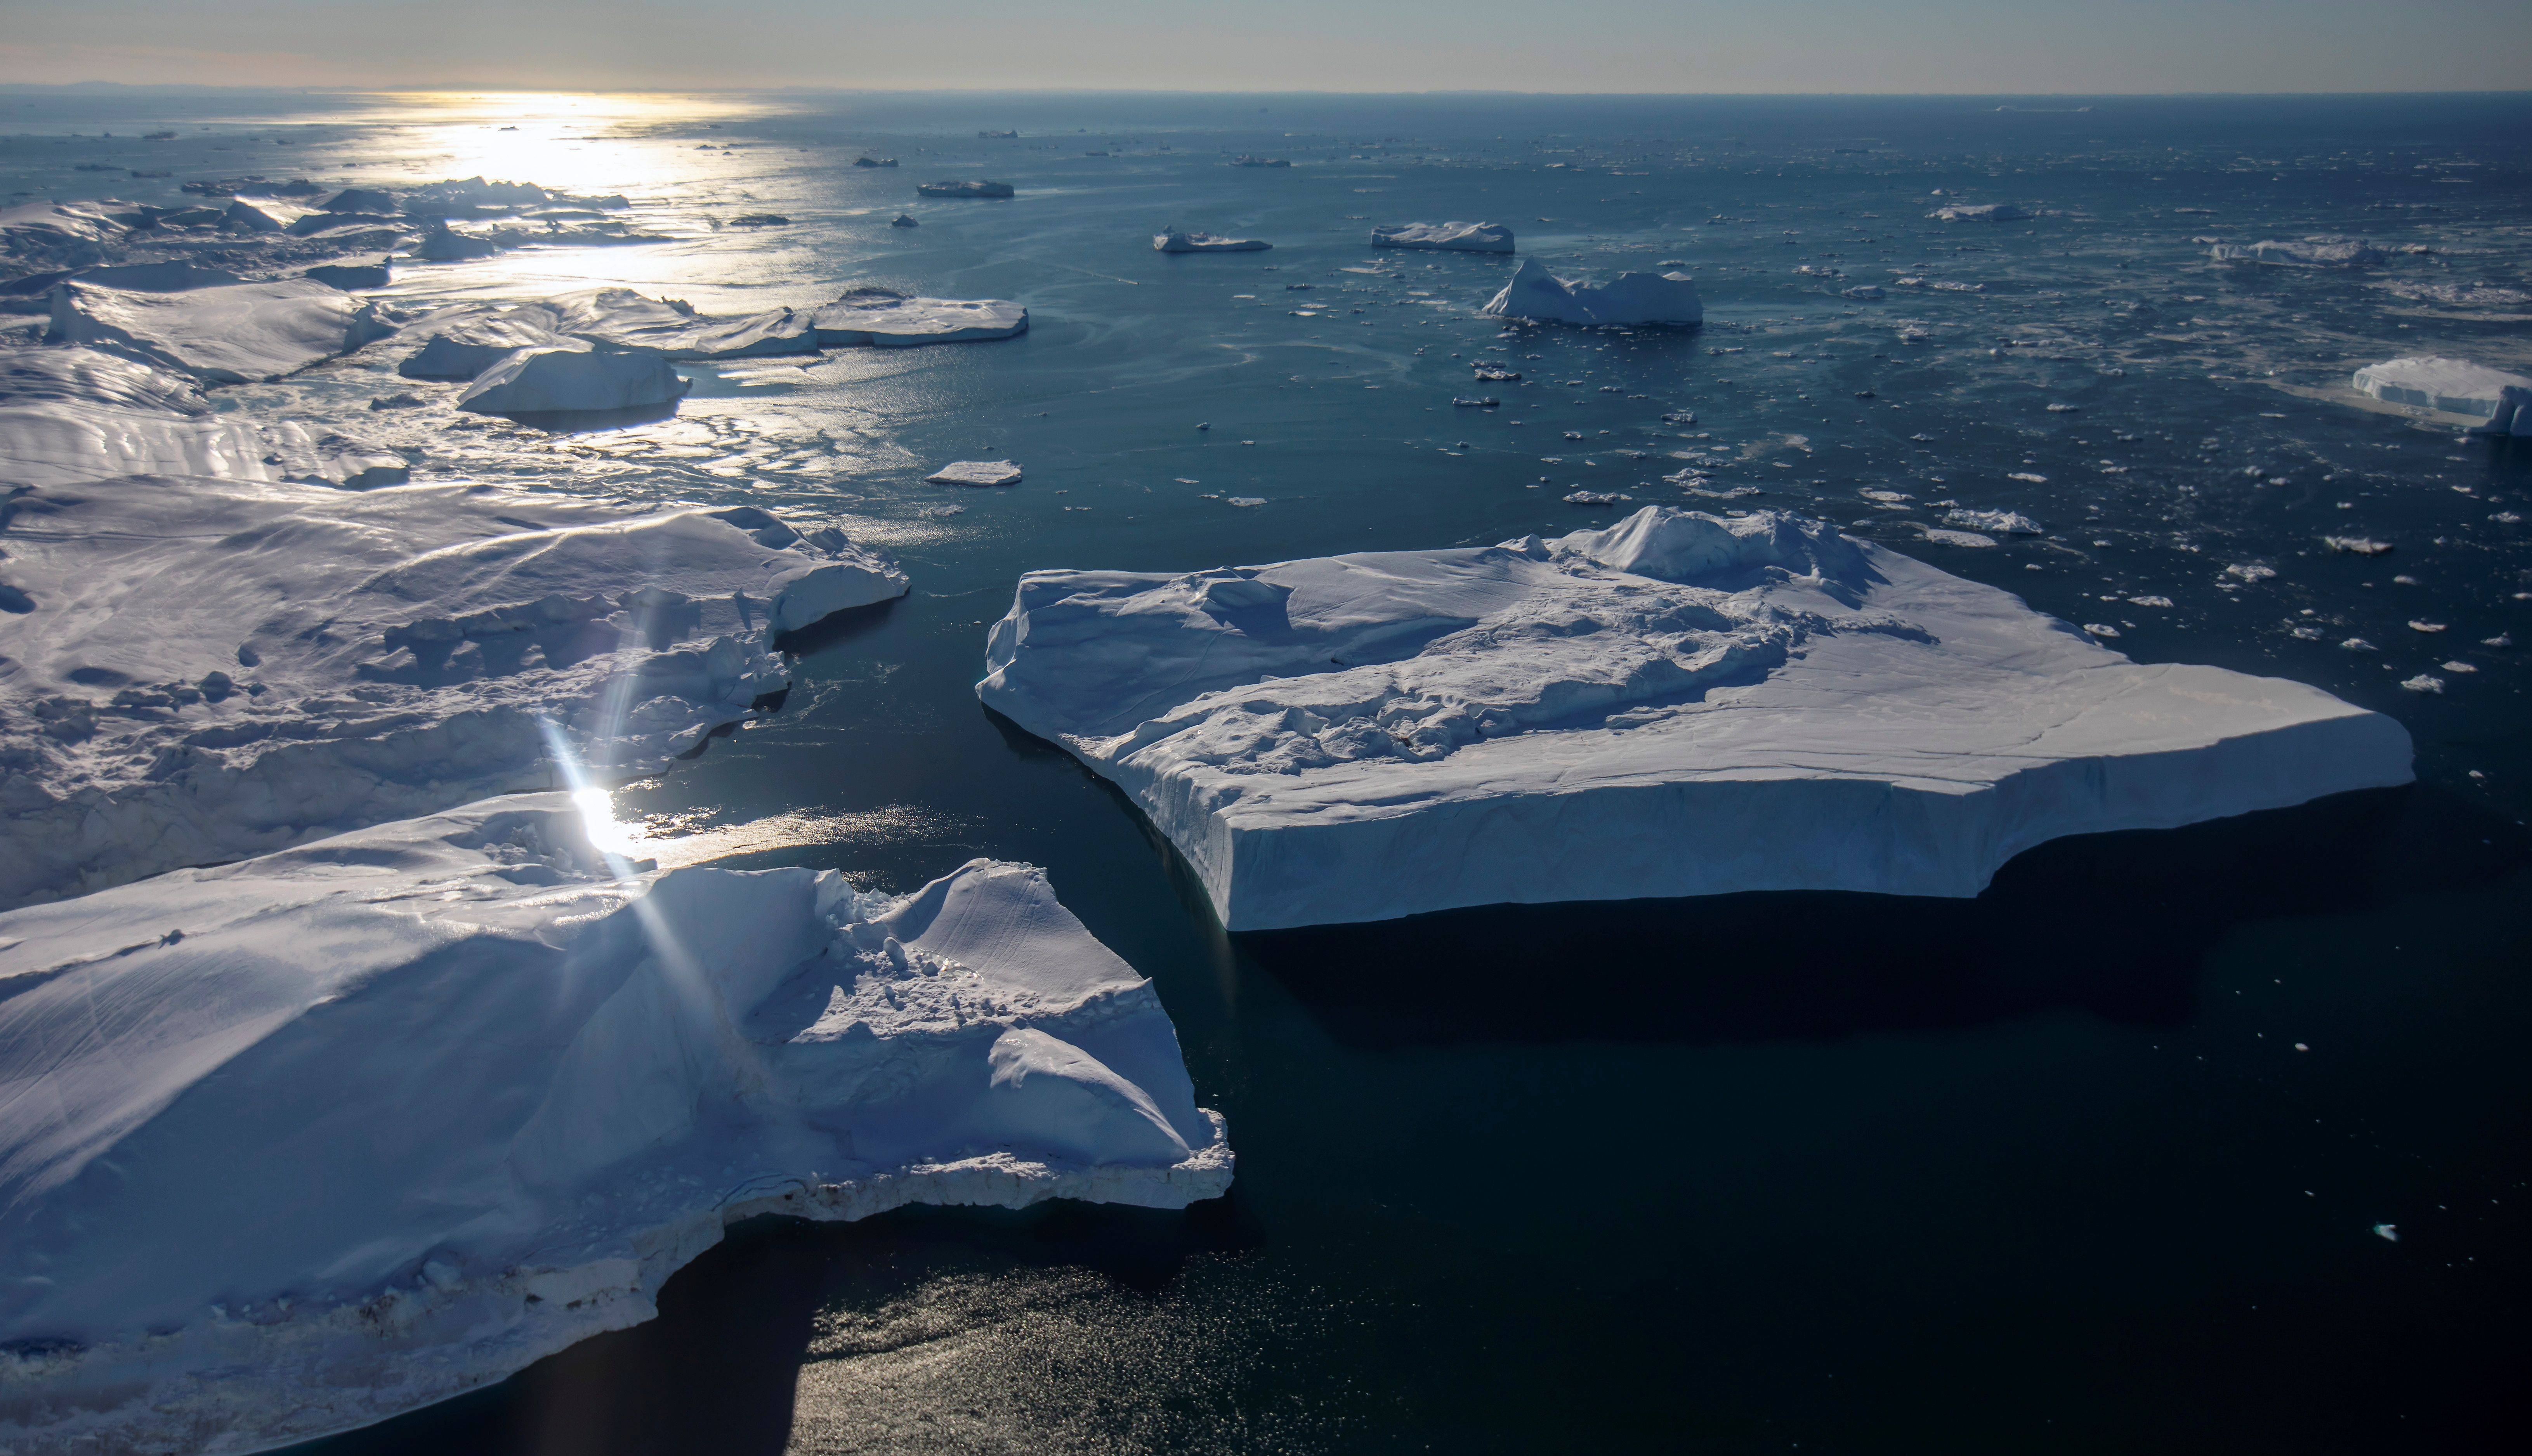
<point>384,1118</point>
<point>223,335</point>
<point>2455,385</point>
<point>889,319</point>
<point>1180,240</point>
<point>1449,237</point>
<point>1677,705</point>
<point>200,670</point>
<point>1630,298</point>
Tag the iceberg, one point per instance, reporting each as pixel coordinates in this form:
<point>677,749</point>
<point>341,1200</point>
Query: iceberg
<point>975,473</point>
<point>1455,237</point>
<point>1674,705</point>
<point>574,378</point>
<point>1978,212</point>
<point>475,340</point>
<point>2311,252</point>
<point>890,320</point>
<point>2455,386</point>
<point>203,668</point>
<point>1629,299</point>
<point>902,220</point>
<point>867,160</point>
<point>386,1117</point>
<point>221,334</point>
<point>1180,240</point>
<point>621,318</point>
<point>968,189</point>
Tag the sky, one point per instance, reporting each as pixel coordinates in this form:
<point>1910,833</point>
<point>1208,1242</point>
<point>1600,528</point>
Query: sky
<point>1979,48</point>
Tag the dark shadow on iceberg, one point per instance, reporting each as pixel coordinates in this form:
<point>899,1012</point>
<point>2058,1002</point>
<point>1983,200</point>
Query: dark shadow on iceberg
<point>716,1371</point>
<point>2118,925</point>
<point>835,629</point>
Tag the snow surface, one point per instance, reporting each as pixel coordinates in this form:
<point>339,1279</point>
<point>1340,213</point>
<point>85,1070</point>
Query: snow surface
<point>210,668</point>
<point>1180,240</point>
<point>1462,237</point>
<point>2453,386</point>
<point>383,1118</point>
<point>70,413</point>
<point>574,378</point>
<point>1676,704</point>
<point>975,473</point>
<point>223,335</point>
<point>1630,298</point>
<point>890,320</point>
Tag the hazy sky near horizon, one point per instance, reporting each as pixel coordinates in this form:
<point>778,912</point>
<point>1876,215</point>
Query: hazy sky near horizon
<point>1943,46</point>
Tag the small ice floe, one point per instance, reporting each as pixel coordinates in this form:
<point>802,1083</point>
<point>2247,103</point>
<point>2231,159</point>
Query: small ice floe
<point>2359,644</point>
<point>2501,639</point>
<point>2387,1231</point>
<point>2424,683</point>
<point>1940,537</point>
<point>1593,498</point>
<point>968,189</point>
<point>1485,403</point>
<point>2356,546</point>
<point>2310,253</point>
<point>2004,522</point>
<point>975,473</point>
<point>2460,668</point>
<point>1978,212</point>
<point>1452,237</point>
<point>2027,478</point>
<point>867,160</point>
<point>2063,409</point>
<point>1886,497</point>
<point>2149,601</point>
<point>1244,500</point>
<point>2420,625</point>
<point>1865,292</point>
<point>2101,629</point>
<point>2247,573</point>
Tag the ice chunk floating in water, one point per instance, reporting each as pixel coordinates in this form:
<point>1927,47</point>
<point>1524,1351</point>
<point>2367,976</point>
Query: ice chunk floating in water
<point>384,1118</point>
<point>975,473</point>
<point>574,378</point>
<point>1180,240</point>
<point>889,319</point>
<point>1630,298</point>
<point>1676,704</point>
<point>211,669</point>
<point>1454,237</point>
<point>2455,385</point>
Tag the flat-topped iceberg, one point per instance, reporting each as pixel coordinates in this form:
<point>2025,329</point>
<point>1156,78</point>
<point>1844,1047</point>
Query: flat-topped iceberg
<point>574,378</point>
<point>2455,385</point>
<point>2310,253</point>
<point>975,473</point>
<point>1676,704</point>
<point>1630,298</point>
<point>889,319</point>
<point>1180,240</point>
<point>221,334</point>
<point>627,319</point>
<point>967,188</point>
<point>1451,237</point>
<point>384,1118</point>
<point>202,670</point>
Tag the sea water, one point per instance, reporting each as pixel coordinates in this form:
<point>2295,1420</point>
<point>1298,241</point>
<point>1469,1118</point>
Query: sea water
<point>2201,1140</point>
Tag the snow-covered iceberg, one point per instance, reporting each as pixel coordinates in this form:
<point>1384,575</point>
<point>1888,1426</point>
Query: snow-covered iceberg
<point>462,342</point>
<point>2455,385</point>
<point>1676,704</point>
<point>222,334</point>
<point>1180,240</point>
<point>889,319</point>
<point>77,414</point>
<point>1630,298</point>
<point>975,473</point>
<point>627,319</point>
<point>202,670</point>
<point>2310,253</point>
<point>1454,237</point>
<point>384,1118</point>
<point>574,378</point>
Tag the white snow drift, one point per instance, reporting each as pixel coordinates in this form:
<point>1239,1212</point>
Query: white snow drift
<point>223,335</point>
<point>384,1118</point>
<point>200,670</point>
<point>2455,385</point>
<point>1450,236</point>
<point>1629,299</point>
<point>1180,240</point>
<point>1676,704</point>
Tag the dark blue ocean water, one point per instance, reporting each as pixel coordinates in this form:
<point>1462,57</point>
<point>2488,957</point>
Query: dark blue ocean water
<point>2092,1163</point>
